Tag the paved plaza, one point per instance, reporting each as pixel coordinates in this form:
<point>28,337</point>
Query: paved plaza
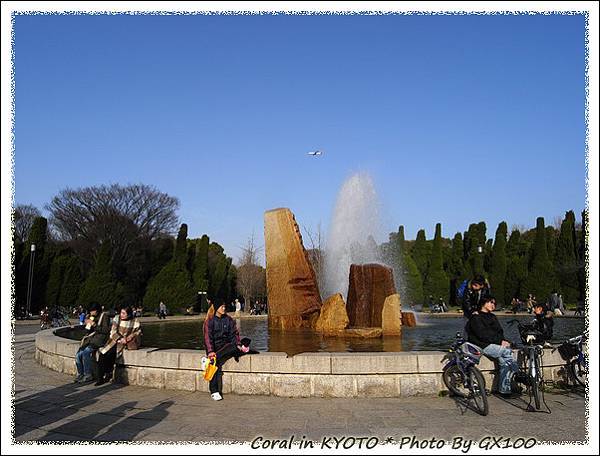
<point>49,407</point>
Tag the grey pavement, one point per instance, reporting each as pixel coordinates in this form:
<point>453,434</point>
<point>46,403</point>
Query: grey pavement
<point>49,407</point>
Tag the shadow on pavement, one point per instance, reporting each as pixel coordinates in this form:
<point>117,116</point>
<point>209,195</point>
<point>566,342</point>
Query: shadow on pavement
<point>46,407</point>
<point>86,428</point>
<point>130,427</point>
<point>463,404</point>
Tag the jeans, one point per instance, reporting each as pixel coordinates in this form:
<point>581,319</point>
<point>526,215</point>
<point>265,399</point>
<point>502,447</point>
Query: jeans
<point>507,365</point>
<point>83,360</point>
<point>224,353</point>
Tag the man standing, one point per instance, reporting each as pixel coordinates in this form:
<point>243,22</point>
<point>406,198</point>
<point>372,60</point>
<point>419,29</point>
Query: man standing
<point>477,290</point>
<point>162,311</point>
<point>485,331</point>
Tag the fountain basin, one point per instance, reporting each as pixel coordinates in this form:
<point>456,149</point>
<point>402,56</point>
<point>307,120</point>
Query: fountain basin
<point>321,374</point>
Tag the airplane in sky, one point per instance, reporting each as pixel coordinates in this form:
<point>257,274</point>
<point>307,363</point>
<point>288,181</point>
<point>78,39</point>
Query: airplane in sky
<point>315,153</point>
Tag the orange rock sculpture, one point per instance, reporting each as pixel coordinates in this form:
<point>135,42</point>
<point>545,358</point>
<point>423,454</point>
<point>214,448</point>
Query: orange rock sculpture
<point>333,317</point>
<point>391,318</point>
<point>408,319</point>
<point>294,299</point>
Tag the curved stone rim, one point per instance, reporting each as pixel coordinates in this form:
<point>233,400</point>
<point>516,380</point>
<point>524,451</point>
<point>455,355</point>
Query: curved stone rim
<point>322,374</point>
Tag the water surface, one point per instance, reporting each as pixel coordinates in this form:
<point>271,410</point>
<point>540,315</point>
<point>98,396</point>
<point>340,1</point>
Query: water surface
<point>432,333</point>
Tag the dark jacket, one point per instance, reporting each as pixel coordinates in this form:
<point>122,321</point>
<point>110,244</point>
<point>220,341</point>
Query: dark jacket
<point>219,331</point>
<point>98,335</point>
<point>472,300</point>
<point>544,325</point>
<point>484,329</point>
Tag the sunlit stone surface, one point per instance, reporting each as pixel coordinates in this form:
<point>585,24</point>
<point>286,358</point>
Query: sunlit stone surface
<point>391,318</point>
<point>333,317</point>
<point>294,300</point>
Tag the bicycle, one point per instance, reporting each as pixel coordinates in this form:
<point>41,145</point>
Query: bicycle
<point>531,362</point>
<point>573,353</point>
<point>461,375</point>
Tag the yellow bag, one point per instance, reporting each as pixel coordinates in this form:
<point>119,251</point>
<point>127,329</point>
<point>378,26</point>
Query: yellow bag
<point>211,369</point>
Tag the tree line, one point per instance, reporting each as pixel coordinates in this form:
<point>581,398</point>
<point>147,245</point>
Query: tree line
<point>535,261</point>
<point>114,244</point>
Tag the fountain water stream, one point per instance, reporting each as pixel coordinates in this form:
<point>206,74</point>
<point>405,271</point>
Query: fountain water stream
<point>355,225</point>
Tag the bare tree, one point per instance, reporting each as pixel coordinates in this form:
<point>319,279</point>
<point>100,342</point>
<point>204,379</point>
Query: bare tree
<point>120,215</point>
<point>316,254</point>
<point>251,277</point>
<point>519,227</point>
<point>23,216</point>
<point>557,222</point>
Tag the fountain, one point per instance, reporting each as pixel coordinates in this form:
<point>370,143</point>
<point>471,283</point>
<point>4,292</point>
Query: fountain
<point>373,306</point>
<point>355,221</point>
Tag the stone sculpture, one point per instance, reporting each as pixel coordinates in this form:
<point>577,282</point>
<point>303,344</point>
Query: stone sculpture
<point>294,299</point>
<point>333,317</point>
<point>391,318</point>
<point>408,319</point>
<point>370,285</point>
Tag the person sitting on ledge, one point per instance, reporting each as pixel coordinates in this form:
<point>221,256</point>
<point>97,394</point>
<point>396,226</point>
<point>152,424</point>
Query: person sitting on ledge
<point>125,333</point>
<point>222,341</point>
<point>97,325</point>
<point>485,331</point>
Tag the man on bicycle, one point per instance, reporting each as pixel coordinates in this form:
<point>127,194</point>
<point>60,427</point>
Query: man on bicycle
<point>485,331</point>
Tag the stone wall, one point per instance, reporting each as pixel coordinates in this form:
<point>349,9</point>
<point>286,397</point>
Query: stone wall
<point>303,375</point>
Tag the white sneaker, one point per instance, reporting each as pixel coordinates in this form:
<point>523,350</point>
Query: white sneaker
<point>216,397</point>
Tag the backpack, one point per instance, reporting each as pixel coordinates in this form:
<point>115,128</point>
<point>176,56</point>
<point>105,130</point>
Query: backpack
<point>460,292</point>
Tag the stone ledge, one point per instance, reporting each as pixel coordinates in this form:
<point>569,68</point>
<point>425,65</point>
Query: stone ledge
<point>304,375</point>
<point>375,363</point>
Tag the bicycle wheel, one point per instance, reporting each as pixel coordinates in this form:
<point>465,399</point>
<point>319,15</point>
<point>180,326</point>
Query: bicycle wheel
<point>534,374</point>
<point>478,391</point>
<point>578,371</point>
<point>454,381</point>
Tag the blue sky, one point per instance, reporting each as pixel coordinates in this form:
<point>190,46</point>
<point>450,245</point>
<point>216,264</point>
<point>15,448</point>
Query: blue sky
<point>457,118</point>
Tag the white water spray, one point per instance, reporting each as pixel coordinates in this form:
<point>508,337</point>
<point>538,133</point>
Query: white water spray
<point>354,226</point>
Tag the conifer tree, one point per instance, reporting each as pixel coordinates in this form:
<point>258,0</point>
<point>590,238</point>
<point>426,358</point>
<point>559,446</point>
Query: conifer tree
<point>565,262</point>
<point>180,254</point>
<point>436,283</point>
<point>218,268</point>
<point>100,285</point>
<point>200,276</point>
<point>173,285</point>
<point>55,280</point>
<point>411,286</point>
<point>551,239</point>
<point>540,279</point>
<point>498,263</point>
<point>420,253</point>
<point>583,255</point>
<point>71,283</point>
<point>475,240</point>
<point>456,268</point>
<point>517,256</point>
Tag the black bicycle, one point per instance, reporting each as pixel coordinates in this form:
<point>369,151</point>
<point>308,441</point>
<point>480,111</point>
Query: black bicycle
<point>461,375</point>
<point>573,353</point>
<point>530,361</point>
